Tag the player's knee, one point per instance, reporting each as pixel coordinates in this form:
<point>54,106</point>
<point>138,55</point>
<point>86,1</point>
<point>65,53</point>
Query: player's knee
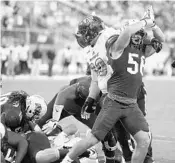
<point>143,139</point>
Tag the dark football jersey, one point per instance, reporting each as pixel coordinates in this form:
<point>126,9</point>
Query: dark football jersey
<point>127,74</point>
<point>82,92</point>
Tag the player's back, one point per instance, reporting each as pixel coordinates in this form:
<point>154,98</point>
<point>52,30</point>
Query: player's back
<point>127,76</point>
<point>82,89</point>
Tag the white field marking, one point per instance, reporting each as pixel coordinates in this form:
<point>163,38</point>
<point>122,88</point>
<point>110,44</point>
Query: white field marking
<point>159,78</point>
<point>163,138</point>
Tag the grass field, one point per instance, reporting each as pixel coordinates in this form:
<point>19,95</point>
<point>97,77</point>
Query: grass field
<point>160,107</point>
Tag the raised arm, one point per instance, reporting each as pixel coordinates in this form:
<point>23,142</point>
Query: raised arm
<point>157,40</point>
<point>124,38</point>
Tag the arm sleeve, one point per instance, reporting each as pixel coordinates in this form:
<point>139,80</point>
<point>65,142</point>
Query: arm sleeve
<point>94,89</point>
<point>48,114</point>
<point>123,40</point>
<point>19,142</point>
<point>158,34</point>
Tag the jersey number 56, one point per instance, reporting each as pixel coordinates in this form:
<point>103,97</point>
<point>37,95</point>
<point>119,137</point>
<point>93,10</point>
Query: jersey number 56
<point>137,67</point>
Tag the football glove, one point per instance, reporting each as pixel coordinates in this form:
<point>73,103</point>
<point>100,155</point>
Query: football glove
<point>87,108</point>
<point>149,17</point>
<point>49,126</point>
<point>156,44</point>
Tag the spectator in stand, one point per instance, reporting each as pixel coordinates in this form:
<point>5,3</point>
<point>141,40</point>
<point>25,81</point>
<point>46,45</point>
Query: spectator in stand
<point>4,55</point>
<point>66,59</point>
<point>51,57</point>
<point>11,62</point>
<point>79,60</point>
<point>36,59</point>
<point>23,58</point>
<point>170,59</point>
<point>14,48</point>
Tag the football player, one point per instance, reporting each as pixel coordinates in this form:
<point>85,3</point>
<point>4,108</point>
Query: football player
<point>39,149</point>
<point>10,141</point>
<point>123,85</point>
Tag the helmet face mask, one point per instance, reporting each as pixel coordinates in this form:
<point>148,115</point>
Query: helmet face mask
<point>88,29</point>
<point>137,40</point>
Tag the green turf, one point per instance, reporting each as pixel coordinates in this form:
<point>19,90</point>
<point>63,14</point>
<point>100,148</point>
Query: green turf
<point>160,106</point>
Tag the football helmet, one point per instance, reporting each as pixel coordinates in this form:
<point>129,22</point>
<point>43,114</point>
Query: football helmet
<point>138,38</point>
<point>13,118</point>
<point>88,29</point>
<point>36,107</point>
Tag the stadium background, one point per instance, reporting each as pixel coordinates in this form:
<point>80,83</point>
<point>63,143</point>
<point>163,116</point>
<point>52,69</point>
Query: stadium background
<point>52,25</point>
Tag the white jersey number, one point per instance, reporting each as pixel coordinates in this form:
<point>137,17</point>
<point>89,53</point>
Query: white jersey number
<point>136,68</point>
<point>99,66</point>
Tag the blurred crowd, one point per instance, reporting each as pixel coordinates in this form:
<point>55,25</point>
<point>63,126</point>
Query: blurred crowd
<point>18,59</point>
<point>47,30</point>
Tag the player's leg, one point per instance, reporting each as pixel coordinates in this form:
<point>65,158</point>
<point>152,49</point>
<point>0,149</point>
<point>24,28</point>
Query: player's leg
<point>103,124</point>
<point>123,137</point>
<point>141,104</point>
<point>136,124</point>
<point>110,147</point>
<point>40,151</point>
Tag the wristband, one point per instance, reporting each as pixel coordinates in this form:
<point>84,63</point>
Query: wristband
<point>57,110</point>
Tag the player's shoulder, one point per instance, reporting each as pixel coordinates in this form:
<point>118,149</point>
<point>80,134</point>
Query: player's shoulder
<point>81,80</point>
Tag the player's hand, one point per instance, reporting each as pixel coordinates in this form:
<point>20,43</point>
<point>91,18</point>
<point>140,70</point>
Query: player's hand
<point>149,14</point>
<point>85,115</point>
<point>156,44</point>
<point>149,17</point>
<point>49,126</point>
<point>87,108</point>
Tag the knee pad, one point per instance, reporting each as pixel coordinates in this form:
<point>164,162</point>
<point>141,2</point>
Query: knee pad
<point>110,143</point>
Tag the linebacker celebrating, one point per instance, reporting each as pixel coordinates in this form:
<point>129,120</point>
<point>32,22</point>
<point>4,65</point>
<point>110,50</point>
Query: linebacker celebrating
<point>126,57</point>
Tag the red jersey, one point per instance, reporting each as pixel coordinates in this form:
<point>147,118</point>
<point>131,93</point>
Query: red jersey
<point>127,74</point>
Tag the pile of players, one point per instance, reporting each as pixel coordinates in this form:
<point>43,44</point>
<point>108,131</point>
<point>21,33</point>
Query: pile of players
<point>110,100</point>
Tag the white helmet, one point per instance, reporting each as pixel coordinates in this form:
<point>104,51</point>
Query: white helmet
<point>36,107</point>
